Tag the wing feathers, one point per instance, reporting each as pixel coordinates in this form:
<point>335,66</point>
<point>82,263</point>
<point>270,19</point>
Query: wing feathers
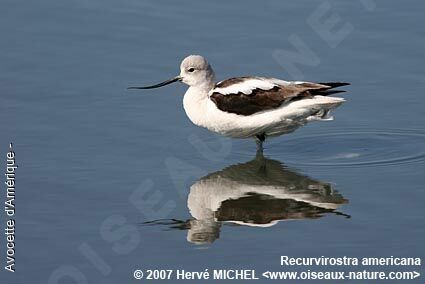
<point>335,84</point>
<point>248,95</point>
<point>242,85</point>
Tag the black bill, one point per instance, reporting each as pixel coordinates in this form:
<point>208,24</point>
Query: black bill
<point>175,79</point>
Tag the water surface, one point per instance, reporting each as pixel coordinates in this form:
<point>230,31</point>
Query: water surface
<point>97,161</point>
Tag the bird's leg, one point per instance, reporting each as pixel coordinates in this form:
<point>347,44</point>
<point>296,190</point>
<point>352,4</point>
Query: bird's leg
<point>259,139</point>
<point>259,157</point>
<point>259,145</point>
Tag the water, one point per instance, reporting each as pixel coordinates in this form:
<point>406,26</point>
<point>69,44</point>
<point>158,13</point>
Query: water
<point>110,181</point>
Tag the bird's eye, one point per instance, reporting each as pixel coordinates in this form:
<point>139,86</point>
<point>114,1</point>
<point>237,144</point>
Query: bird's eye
<point>190,70</point>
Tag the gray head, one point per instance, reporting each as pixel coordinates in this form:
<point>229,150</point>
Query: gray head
<point>195,71</point>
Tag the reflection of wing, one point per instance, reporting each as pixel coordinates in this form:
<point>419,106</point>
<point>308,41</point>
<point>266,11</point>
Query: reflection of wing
<point>259,193</point>
<point>248,95</point>
<point>264,210</point>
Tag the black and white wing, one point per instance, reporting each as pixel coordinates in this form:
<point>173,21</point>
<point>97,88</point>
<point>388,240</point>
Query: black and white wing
<point>249,95</point>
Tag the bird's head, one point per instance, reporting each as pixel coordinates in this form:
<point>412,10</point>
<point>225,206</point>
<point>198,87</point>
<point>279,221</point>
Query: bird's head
<point>195,71</point>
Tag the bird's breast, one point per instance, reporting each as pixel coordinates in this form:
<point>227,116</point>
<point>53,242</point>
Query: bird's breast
<point>195,106</point>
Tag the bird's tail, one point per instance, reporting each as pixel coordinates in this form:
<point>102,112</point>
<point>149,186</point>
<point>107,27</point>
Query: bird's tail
<point>335,84</point>
<point>329,91</point>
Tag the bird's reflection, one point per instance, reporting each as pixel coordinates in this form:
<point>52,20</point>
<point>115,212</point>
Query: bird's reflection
<point>258,193</point>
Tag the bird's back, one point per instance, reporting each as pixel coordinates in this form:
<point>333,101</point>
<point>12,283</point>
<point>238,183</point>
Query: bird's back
<point>250,95</point>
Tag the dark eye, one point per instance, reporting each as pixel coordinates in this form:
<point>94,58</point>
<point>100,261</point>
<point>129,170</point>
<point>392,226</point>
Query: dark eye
<point>190,70</point>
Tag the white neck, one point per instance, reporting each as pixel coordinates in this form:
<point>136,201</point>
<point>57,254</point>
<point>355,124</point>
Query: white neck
<point>196,99</point>
<point>195,104</point>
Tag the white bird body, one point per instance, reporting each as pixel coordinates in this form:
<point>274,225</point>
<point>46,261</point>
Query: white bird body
<point>270,181</point>
<point>204,113</point>
<point>246,107</point>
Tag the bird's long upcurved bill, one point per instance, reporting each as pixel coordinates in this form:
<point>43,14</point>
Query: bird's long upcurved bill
<point>172,80</point>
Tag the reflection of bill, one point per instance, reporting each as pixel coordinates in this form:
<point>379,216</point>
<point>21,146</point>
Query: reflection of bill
<point>258,193</point>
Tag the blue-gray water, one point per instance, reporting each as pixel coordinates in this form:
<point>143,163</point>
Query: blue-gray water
<point>97,161</point>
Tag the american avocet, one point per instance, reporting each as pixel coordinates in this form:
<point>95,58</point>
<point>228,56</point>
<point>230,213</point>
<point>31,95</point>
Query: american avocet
<point>259,193</point>
<point>246,107</point>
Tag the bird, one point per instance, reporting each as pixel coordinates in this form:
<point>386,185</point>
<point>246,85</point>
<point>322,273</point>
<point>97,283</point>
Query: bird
<point>258,193</point>
<point>251,106</point>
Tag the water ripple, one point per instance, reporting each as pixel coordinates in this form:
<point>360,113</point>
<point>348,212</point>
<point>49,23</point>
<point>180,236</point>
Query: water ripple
<point>355,148</point>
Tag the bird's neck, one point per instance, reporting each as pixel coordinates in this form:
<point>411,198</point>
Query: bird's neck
<point>195,101</point>
<point>207,85</point>
<point>195,104</point>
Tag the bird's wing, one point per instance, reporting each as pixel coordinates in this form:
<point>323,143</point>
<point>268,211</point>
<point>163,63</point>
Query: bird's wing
<point>248,95</point>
